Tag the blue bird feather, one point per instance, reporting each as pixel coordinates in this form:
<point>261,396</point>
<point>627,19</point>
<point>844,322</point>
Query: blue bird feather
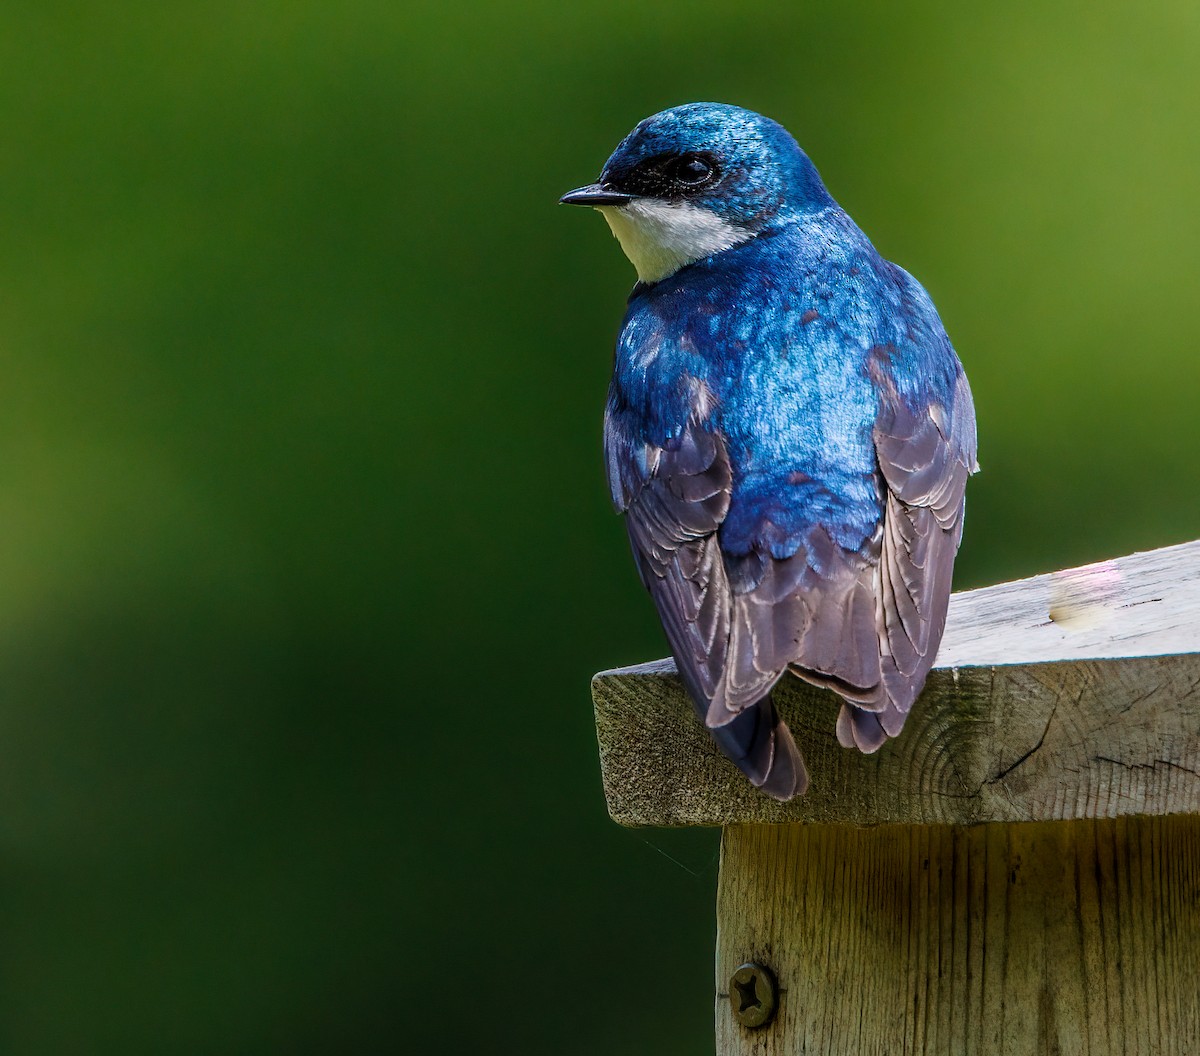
<point>788,432</point>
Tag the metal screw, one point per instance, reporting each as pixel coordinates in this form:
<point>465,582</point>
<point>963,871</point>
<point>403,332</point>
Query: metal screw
<point>754,995</point>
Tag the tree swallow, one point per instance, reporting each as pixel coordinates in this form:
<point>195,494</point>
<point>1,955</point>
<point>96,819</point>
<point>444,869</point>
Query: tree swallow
<point>788,433</point>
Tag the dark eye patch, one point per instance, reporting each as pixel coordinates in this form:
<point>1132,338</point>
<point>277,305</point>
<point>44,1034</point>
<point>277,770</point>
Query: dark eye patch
<point>672,177</point>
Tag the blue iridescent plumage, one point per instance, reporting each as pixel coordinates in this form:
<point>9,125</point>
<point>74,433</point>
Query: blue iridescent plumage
<point>788,432</point>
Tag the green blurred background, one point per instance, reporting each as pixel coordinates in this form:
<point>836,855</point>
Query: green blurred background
<point>307,554</point>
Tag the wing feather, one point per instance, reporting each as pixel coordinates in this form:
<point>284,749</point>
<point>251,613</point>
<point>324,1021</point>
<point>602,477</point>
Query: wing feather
<point>925,456</point>
<point>673,514</point>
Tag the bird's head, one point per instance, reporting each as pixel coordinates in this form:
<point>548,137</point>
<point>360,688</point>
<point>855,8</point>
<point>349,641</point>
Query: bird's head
<point>698,179</point>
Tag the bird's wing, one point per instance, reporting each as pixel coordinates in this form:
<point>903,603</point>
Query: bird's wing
<point>926,450</point>
<point>675,498</point>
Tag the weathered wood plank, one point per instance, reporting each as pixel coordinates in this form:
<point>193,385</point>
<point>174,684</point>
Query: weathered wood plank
<point>1146,604</point>
<point>999,940</point>
<point>1110,727</point>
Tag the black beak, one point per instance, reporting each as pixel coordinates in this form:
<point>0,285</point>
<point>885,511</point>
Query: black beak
<point>595,194</point>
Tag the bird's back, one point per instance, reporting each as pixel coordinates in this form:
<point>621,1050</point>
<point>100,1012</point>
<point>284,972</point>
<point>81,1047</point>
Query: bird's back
<point>793,543</point>
<point>769,345</point>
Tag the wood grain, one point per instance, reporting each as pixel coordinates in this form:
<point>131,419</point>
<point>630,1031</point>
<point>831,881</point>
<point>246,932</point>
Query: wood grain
<point>1146,604</point>
<point>1094,713</point>
<point>1077,939</point>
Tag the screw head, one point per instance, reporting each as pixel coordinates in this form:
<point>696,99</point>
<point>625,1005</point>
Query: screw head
<point>754,995</point>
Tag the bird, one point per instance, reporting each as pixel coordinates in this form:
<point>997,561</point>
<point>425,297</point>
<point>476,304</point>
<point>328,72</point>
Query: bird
<point>788,433</point>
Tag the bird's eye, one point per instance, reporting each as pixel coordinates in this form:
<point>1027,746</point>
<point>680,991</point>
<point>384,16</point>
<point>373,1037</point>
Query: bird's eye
<point>691,170</point>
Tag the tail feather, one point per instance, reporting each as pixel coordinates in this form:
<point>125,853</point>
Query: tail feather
<point>759,742</point>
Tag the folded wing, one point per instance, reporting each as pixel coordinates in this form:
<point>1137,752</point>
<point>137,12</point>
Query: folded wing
<point>675,498</point>
<point>925,454</point>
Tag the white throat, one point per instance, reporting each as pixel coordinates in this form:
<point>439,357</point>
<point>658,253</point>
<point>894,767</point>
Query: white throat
<point>659,238</point>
